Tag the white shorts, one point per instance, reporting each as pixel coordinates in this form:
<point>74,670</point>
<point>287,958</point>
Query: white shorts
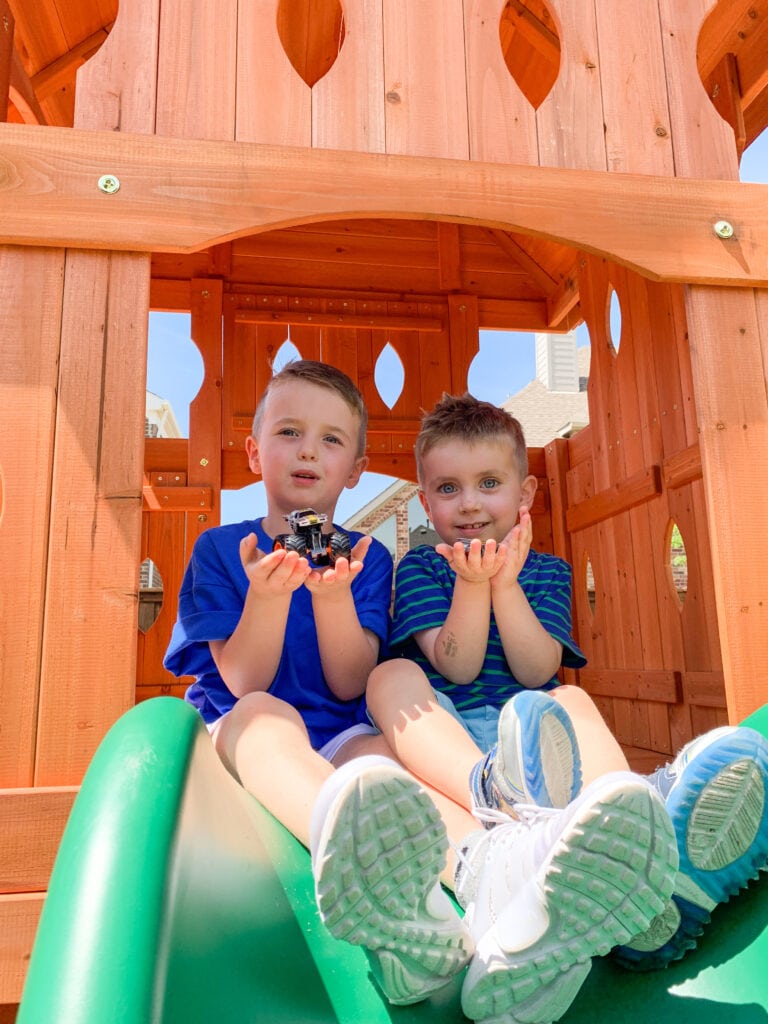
<point>330,749</point>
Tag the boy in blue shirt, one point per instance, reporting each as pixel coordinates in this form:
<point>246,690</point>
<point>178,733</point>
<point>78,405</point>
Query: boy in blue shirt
<point>281,653</point>
<point>484,624</point>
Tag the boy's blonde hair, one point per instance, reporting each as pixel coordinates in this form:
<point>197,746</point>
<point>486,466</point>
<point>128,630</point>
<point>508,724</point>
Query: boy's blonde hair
<point>467,419</point>
<point>324,376</point>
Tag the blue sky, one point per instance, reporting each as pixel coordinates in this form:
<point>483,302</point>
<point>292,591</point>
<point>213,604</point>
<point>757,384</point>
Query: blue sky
<point>174,371</point>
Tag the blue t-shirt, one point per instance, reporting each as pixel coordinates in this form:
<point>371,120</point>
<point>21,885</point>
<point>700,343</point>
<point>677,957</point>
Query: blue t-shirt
<point>210,605</point>
<point>423,592</point>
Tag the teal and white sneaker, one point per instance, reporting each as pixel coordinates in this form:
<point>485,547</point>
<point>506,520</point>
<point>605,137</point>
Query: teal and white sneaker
<point>548,891</point>
<point>716,793</point>
<point>535,761</point>
<point>378,846</point>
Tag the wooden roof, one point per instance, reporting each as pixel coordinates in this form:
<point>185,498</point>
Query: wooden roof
<point>522,282</point>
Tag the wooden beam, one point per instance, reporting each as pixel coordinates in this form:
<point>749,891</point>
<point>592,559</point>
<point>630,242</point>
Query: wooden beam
<point>642,684</point>
<point>516,252</point>
<point>339,320</point>
<point>614,500</point>
<point>63,70</point>
<point>31,826</point>
<point>22,93</point>
<point>186,194</point>
<point>19,916</point>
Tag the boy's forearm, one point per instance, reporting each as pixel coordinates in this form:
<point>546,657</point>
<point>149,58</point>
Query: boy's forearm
<point>460,645</point>
<point>348,653</point>
<point>249,659</point>
<point>533,655</point>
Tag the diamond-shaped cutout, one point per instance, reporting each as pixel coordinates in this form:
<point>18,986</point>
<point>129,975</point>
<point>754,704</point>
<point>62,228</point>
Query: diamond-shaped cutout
<point>389,376</point>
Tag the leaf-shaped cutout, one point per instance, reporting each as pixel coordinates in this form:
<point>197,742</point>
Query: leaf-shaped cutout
<point>312,34</point>
<point>287,353</point>
<point>677,562</point>
<point>531,47</point>
<point>614,319</point>
<point>150,594</point>
<point>589,584</point>
<point>389,376</point>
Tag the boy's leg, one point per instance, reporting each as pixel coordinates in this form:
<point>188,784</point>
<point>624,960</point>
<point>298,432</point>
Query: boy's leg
<point>716,793</point>
<point>536,758</point>
<point>263,742</point>
<point>600,751</point>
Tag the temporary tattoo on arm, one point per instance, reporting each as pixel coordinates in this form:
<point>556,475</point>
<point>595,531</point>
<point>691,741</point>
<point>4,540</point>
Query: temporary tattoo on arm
<point>450,646</point>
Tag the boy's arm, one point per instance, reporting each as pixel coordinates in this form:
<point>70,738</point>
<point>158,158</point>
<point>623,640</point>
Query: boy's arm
<point>533,654</point>
<point>248,660</point>
<point>348,651</point>
<point>457,648</point>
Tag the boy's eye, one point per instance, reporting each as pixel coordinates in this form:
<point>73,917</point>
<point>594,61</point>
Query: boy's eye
<point>446,489</point>
<point>489,483</point>
<point>332,439</point>
<point>288,432</point>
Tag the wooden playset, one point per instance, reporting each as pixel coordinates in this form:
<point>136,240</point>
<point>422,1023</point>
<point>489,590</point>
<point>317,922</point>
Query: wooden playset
<point>373,173</point>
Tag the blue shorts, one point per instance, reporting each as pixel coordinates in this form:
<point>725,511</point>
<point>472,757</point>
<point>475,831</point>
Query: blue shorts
<point>481,723</point>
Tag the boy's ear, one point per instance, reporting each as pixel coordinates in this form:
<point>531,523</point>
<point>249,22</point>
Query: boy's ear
<point>357,471</point>
<point>252,451</point>
<point>425,504</point>
<point>527,490</point>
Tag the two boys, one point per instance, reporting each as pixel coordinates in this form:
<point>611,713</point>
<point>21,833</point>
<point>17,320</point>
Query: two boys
<point>282,653</point>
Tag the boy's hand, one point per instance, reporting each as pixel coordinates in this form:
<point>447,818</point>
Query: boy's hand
<point>279,572</point>
<point>477,565</point>
<point>517,544</point>
<point>336,580</point>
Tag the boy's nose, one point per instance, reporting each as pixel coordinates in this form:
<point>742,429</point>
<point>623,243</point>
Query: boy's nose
<point>469,500</point>
<point>308,452</point>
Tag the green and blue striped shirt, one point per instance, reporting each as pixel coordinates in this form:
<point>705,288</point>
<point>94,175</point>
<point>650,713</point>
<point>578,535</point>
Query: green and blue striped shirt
<point>423,592</point>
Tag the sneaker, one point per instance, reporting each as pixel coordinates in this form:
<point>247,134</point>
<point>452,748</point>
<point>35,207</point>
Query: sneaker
<point>535,761</point>
<point>378,846</point>
<point>546,893</point>
<point>716,795</point>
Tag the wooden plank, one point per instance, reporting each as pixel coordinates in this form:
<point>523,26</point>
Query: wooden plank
<point>163,541</point>
<point>733,418</point>
<point>196,75</point>
<point>280,113</point>
<point>426,113</point>
<point>339,321</point>
<point>502,127</point>
<point>682,468</point>
<point>31,284</point>
<point>31,826</point>
<point>91,589</point>
<point>706,689</point>
<point>117,88</point>
<point>19,915</point>
<point>641,684</point>
<point>205,410</point>
<point>168,200</point>
<point>614,500</point>
<point>702,142</point>
<point>178,499</point>
<point>570,120</point>
<point>633,89</point>
<point>348,103</point>
<point>7,23</point>
<point>556,463</point>
<point>464,333</point>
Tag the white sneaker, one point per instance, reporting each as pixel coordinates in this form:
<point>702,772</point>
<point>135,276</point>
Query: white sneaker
<point>378,846</point>
<point>546,893</point>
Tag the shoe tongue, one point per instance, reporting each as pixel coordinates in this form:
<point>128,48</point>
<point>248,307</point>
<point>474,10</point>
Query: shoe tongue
<point>662,780</point>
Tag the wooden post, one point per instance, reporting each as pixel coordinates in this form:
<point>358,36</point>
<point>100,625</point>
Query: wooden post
<point>6,56</point>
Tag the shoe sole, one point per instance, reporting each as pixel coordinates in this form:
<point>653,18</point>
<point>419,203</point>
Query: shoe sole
<point>719,811</point>
<point>377,870</point>
<point>537,757</point>
<point>609,875</point>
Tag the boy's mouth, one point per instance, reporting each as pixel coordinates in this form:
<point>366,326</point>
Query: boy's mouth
<point>304,475</point>
<point>471,528</point>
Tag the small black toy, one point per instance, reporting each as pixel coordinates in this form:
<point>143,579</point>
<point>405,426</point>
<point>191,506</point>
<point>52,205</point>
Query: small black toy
<point>308,538</point>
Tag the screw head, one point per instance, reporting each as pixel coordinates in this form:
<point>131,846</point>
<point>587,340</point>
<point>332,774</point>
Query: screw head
<point>109,183</point>
<point>724,229</point>
<point>203,461</point>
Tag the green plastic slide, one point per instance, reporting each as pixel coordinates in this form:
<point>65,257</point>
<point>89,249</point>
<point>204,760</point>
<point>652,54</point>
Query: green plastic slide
<point>176,898</point>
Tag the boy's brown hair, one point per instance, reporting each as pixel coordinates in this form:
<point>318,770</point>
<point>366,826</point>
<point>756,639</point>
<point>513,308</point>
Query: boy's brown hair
<point>465,418</point>
<point>324,376</point>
